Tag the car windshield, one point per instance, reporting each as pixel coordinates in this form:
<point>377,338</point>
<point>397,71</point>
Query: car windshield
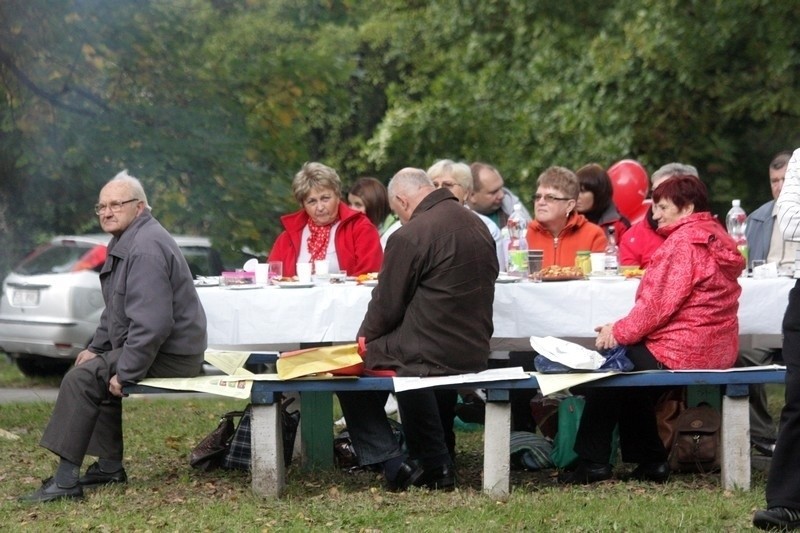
<point>202,260</point>
<point>54,258</point>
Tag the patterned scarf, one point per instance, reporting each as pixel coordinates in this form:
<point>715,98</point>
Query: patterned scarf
<point>318,240</point>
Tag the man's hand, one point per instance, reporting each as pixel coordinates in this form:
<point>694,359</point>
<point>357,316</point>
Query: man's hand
<point>605,337</point>
<point>84,356</point>
<point>114,387</point>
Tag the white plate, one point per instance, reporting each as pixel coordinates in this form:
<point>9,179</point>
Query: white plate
<point>369,283</point>
<point>607,278</point>
<point>507,279</point>
<point>207,282</point>
<point>244,287</point>
<point>294,284</point>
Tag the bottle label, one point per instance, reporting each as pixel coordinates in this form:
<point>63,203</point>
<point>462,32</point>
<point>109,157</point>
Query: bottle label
<point>517,263</point>
<point>612,266</point>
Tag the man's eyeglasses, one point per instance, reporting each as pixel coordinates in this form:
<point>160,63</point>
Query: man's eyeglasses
<point>115,207</point>
<point>549,198</point>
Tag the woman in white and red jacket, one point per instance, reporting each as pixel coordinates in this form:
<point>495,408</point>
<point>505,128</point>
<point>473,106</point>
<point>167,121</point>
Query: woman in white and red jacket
<point>325,228</point>
<point>684,317</point>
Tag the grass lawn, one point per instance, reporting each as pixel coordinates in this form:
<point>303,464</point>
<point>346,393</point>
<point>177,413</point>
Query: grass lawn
<point>165,494</point>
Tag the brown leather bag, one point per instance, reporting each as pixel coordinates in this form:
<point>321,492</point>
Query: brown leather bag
<point>668,408</point>
<point>696,444</point>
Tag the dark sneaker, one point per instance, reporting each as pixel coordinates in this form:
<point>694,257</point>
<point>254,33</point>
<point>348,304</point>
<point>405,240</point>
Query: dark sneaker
<point>782,518</point>
<point>763,446</point>
<point>50,491</point>
<point>94,476</point>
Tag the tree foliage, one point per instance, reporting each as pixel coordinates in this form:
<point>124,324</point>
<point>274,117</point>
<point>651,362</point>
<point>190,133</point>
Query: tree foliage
<point>215,104</point>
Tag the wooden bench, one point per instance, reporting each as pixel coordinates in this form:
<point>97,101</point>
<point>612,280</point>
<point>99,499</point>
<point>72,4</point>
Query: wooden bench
<point>268,471</point>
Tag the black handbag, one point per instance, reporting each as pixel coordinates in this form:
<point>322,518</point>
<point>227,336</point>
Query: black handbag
<point>208,454</point>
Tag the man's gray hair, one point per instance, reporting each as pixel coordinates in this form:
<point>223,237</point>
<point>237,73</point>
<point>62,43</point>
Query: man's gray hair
<point>134,185</point>
<point>674,169</point>
<point>409,180</point>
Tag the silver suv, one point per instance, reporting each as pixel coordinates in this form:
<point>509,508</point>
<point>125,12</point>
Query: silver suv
<point>51,302</point>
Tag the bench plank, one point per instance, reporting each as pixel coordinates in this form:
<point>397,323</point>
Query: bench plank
<point>268,472</point>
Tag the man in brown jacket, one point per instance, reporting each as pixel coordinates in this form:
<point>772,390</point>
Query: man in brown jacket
<point>430,315</point>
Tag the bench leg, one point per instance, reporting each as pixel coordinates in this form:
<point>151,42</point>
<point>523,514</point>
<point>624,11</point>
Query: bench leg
<point>496,450</point>
<point>266,439</point>
<point>735,443</point>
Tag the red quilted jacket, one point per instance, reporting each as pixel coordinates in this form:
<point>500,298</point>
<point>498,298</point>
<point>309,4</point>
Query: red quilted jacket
<point>687,302</point>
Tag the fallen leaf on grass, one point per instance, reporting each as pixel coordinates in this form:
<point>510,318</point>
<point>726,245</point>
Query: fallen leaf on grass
<point>7,435</point>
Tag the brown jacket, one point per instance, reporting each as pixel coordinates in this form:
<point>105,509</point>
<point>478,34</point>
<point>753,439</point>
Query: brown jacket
<point>431,312</point>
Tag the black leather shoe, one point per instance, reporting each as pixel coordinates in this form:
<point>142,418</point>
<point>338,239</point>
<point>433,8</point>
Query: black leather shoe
<point>782,518</point>
<point>438,478</point>
<point>763,446</point>
<point>408,475</point>
<point>656,472</point>
<point>94,476</point>
<point>50,491</point>
<point>586,472</point>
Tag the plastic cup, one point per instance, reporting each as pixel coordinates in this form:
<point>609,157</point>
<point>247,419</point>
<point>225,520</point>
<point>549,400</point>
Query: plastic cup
<point>274,271</point>
<point>321,268</point>
<point>304,272</point>
<point>598,260</point>
<point>262,273</point>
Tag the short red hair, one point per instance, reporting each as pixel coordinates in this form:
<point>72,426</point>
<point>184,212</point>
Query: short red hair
<point>683,190</point>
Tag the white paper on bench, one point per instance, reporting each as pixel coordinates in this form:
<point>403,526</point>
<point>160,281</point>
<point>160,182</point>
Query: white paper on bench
<point>237,387</point>
<point>550,383</point>
<point>494,374</point>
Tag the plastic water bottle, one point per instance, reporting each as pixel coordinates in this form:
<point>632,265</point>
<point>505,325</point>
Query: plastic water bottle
<point>612,254</point>
<point>517,256</point>
<point>736,221</point>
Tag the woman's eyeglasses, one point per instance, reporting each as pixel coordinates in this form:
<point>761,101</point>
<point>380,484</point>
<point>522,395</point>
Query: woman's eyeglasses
<point>549,198</point>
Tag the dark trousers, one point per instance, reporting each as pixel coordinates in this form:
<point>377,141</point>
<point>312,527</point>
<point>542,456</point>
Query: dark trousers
<point>87,419</point>
<point>427,419</point>
<point>632,408</point>
<point>783,483</point>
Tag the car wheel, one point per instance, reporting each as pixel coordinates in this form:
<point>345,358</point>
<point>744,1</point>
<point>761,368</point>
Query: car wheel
<point>38,366</point>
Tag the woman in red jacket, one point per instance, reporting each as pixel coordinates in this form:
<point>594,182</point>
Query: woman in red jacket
<point>325,228</point>
<point>684,317</point>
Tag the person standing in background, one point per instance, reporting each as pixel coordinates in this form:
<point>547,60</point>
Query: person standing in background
<point>783,481</point>
<point>766,243</point>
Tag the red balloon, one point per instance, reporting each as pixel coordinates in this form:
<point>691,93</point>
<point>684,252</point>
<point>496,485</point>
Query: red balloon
<point>630,182</point>
<point>641,211</point>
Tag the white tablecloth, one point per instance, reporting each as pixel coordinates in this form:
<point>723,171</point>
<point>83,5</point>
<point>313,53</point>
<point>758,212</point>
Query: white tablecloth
<point>571,309</point>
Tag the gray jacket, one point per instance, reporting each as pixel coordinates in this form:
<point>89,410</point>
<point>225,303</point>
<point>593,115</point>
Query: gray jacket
<point>152,308</point>
<point>759,231</point>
